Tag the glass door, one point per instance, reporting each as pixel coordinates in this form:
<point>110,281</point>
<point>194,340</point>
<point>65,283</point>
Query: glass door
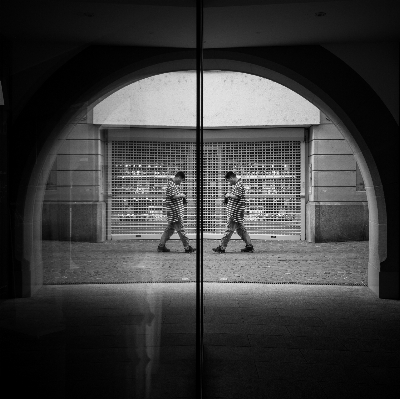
<point>122,295</point>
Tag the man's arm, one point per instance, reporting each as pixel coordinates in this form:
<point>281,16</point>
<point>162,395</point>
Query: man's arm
<point>234,196</point>
<point>173,193</point>
<point>241,192</point>
<point>178,196</point>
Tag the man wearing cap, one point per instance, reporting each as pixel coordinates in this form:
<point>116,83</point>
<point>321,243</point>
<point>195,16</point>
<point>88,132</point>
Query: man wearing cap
<point>175,201</point>
<point>235,205</point>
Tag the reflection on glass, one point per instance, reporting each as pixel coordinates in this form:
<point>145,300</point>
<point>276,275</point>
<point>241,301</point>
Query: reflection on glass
<point>138,203</point>
<point>122,331</point>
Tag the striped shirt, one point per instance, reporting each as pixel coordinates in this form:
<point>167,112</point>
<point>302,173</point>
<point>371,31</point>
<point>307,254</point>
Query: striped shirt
<point>235,206</point>
<point>174,205</point>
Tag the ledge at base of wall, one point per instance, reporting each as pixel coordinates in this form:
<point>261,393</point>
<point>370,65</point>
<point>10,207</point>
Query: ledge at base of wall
<point>74,221</point>
<point>337,221</point>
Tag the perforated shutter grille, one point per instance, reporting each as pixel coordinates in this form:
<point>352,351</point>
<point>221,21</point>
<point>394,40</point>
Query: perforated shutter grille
<point>270,170</point>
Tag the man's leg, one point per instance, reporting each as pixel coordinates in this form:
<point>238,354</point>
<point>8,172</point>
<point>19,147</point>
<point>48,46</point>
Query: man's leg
<point>243,234</point>
<point>168,232</point>
<point>178,226</point>
<point>230,228</point>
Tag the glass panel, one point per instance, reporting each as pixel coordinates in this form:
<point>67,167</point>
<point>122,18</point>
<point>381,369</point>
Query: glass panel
<point>116,317</point>
<point>139,173</point>
<point>271,175</point>
<point>252,131</point>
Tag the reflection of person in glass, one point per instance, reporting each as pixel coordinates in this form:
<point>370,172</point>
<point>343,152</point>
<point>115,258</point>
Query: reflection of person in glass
<point>175,200</point>
<point>235,205</point>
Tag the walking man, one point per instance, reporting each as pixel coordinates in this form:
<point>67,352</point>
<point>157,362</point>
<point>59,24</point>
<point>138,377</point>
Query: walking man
<point>235,206</point>
<point>174,203</point>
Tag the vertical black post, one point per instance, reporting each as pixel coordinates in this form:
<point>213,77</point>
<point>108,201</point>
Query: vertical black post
<point>199,202</point>
<point>7,233</point>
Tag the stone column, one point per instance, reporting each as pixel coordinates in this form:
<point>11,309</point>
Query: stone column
<point>74,207</point>
<point>336,210</point>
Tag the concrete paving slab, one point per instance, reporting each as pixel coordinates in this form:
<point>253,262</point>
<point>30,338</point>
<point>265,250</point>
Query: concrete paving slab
<point>315,342</point>
<point>241,369</point>
<point>268,341</point>
<point>228,387</point>
<point>245,329</point>
<point>284,388</point>
<point>226,340</point>
<point>347,391</point>
<point>102,340</point>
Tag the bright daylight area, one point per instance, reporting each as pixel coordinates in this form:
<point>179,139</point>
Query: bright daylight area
<point>142,134</point>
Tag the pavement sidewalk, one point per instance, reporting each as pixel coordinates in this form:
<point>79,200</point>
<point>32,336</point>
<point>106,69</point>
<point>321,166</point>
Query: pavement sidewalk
<point>133,261</point>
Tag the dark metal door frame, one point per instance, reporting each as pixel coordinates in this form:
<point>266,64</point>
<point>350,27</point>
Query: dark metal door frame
<point>199,202</point>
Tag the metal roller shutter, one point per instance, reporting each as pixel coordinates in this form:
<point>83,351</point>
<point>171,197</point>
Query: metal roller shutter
<point>271,171</point>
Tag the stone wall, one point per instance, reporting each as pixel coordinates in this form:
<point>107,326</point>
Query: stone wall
<point>74,207</point>
<point>337,208</point>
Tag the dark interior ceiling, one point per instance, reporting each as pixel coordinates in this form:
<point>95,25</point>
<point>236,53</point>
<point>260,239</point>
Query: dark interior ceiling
<point>227,23</point>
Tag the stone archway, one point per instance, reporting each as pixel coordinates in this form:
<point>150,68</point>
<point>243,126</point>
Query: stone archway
<point>382,282</point>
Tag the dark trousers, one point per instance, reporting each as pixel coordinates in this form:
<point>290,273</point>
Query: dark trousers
<point>230,229</point>
<point>169,231</point>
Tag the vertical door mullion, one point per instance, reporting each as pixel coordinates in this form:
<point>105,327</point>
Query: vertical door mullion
<point>199,202</point>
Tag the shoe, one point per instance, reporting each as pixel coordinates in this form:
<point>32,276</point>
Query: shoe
<point>219,250</point>
<point>248,248</point>
<point>163,249</point>
<point>190,250</point>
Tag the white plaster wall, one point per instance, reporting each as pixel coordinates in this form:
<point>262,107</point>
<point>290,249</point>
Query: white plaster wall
<point>333,166</point>
<point>230,99</point>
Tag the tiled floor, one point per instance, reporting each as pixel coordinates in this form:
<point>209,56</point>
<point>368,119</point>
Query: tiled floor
<point>261,341</point>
